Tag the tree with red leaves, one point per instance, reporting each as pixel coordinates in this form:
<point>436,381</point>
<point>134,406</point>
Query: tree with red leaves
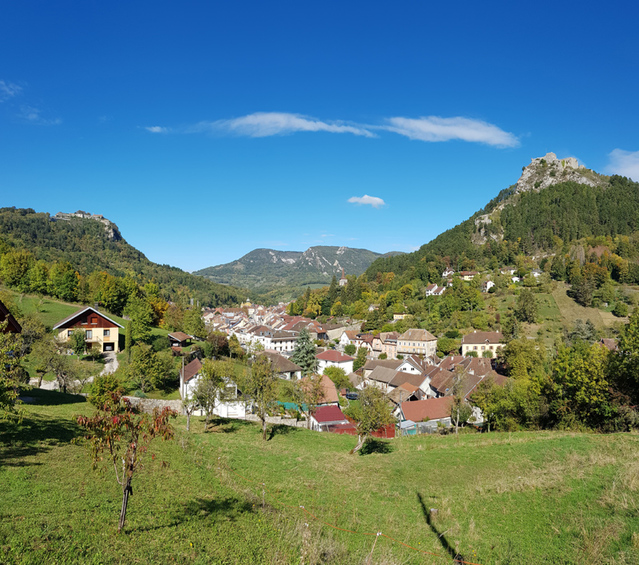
<point>120,433</point>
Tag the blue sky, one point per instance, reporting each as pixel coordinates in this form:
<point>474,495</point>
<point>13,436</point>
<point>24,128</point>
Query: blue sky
<point>207,129</point>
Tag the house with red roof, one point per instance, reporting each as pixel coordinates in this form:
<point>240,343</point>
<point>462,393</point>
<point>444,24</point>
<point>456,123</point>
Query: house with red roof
<point>329,391</point>
<point>333,358</point>
<point>326,416</point>
<point>432,410</point>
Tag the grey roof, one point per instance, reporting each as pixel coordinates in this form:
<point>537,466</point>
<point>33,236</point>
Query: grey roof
<point>382,375</point>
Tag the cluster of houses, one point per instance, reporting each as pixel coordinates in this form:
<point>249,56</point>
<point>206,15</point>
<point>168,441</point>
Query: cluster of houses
<point>404,365</point>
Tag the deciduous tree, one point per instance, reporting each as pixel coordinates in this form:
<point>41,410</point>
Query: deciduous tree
<point>122,433</point>
<point>11,372</point>
<point>374,412</point>
<point>308,393</point>
<point>260,384</point>
<point>623,364</point>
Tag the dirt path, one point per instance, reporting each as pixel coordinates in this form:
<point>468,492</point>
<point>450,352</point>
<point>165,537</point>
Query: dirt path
<point>110,366</point>
<point>110,363</point>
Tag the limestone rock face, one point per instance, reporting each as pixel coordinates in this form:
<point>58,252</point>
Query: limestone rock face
<point>541,173</point>
<point>548,170</point>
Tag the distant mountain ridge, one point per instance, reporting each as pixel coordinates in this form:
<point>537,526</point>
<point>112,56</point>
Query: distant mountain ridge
<point>263,270</point>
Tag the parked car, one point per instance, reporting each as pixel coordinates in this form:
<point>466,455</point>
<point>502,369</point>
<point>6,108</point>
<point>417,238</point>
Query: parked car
<point>352,395</point>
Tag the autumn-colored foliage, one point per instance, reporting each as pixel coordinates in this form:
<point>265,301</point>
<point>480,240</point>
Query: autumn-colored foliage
<point>120,434</point>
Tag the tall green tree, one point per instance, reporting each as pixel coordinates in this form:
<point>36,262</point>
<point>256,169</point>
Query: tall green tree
<point>14,269</point>
<point>623,364</point>
<point>151,369</point>
<point>578,388</point>
<point>11,372</point>
<point>526,309</point>
<point>141,316</point>
<point>209,387</point>
<point>193,323</point>
<point>304,353</point>
<point>64,281</point>
<point>260,384</point>
<point>360,359</point>
<point>373,412</point>
<point>78,341</point>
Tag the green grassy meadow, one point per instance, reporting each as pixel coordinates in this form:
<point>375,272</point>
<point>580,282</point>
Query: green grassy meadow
<point>226,496</point>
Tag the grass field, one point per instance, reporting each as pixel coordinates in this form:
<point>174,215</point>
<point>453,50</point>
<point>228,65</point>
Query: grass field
<point>52,311</point>
<point>228,497</point>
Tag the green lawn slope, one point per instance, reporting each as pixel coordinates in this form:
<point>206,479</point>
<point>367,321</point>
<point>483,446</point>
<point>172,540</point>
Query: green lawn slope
<point>226,496</point>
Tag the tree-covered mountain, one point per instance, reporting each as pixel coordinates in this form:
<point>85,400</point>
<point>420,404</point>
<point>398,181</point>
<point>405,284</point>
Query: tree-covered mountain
<point>264,270</point>
<point>91,243</point>
<point>554,203</point>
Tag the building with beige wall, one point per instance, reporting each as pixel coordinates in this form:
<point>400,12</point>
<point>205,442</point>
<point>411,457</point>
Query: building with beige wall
<point>417,342</point>
<point>480,342</point>
<point>100,331</point>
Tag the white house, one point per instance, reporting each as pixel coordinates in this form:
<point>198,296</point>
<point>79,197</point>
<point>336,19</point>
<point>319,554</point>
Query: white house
<point>333,358</point>
<point>227,404</point>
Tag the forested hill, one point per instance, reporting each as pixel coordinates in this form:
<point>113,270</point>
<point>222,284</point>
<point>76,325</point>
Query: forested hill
<point>91,245</point>
<point>264,270</point>
<point>531,222</point>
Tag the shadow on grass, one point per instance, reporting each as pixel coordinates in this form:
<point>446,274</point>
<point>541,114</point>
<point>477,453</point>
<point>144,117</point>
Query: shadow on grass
<point>376,446</point>
<point>281,430</point>
<point>227,425</point>
<point>456,557</point>
<point>51,397</point>
<point>31,437</point>
<point>229,508</point>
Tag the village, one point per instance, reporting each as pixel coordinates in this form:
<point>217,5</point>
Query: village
<point>419,386</point>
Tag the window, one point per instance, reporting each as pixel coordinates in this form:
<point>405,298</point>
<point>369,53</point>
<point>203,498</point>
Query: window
<point>94,319</point>
<point>106,333</point>
<point>89,334</point>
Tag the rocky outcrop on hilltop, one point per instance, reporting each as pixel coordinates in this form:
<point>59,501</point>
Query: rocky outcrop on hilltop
<point>548,170</point>
<point>542,173</point>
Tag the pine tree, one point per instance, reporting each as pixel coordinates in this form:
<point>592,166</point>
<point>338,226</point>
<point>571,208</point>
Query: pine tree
<point>304,354</point>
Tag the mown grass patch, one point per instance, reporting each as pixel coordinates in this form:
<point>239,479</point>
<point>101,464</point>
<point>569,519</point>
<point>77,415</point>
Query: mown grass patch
<point>226,496</point>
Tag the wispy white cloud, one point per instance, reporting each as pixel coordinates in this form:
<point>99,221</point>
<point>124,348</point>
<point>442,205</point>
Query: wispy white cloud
<point>327,235</point>
<point>625,163</point>
<point>33,116</point>
<point>8,90</point>
<point>435,128</point>
<point>265,124</point>
<point>157,129</point>
<point>373,201</point>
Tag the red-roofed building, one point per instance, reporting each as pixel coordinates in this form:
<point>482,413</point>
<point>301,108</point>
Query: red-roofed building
<point>431,410</point>
<point>326,416</point>
<point>329,391</point>
<point>333,358</point>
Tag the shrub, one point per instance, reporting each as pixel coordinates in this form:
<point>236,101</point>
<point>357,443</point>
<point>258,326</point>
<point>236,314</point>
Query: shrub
<point>620,310</point>
<point>102,389</point>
